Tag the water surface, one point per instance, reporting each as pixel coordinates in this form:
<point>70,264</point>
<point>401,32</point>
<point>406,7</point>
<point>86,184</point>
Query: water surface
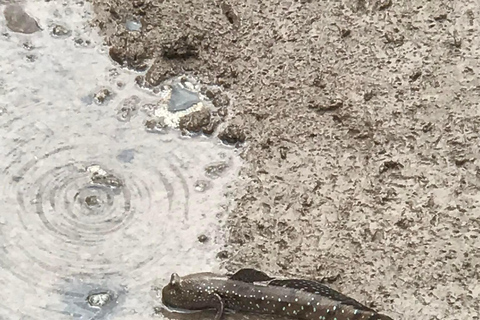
<point>94,207</point>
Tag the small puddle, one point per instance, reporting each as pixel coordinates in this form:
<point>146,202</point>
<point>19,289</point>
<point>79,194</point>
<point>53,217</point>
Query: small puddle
<point>97,202</point>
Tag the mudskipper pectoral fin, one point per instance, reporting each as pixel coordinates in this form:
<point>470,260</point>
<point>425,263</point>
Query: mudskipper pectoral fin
<point>219,306</point>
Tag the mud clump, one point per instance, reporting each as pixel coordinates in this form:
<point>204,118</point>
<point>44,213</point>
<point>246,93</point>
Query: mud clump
<point>20,21</point>
<point>219,98</point>
<point>232,134</point>
<point>132,56</point>
<point>160,71</point>
<point>196,122</point>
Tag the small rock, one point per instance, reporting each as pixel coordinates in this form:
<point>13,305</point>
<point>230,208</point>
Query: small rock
<point>182,99</point>
<point>194,122</point>
<point>232,134</point>
<point>19,21</point>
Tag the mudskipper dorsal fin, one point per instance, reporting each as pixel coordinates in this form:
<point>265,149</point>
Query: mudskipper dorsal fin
<point>250,275</point>
<point>320,289</point>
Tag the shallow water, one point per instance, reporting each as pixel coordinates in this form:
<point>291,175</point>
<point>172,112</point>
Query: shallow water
<point>95,208</point>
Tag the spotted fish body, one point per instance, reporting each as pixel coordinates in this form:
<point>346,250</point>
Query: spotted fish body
<point>253,291</point>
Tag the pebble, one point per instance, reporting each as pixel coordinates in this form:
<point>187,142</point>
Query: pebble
<point>182,99</point>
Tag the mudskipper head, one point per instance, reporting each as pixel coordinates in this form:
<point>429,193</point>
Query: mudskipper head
<point>173,294</point>
<point>188,293</point>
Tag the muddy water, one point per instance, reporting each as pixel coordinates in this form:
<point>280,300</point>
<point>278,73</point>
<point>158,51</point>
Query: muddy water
<point>94,207</point>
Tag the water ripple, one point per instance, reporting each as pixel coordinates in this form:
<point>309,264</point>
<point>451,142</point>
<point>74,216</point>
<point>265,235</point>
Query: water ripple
<point>76,213</point>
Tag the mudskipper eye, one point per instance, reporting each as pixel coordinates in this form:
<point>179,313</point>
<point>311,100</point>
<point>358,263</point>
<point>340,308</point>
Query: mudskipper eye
<point>174,280</point>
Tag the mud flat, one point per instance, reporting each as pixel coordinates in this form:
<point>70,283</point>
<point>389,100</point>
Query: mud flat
<point>361,122</point>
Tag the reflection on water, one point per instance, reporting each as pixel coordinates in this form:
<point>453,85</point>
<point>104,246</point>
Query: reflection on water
<point>94,206</point>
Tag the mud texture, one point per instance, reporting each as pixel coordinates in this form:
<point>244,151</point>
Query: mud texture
<point>360,120</point>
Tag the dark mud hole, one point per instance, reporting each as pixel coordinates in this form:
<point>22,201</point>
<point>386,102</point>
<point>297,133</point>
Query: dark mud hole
<point>362,122</point>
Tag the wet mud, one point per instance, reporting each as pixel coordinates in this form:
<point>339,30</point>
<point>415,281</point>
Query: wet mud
<point>360,126</point>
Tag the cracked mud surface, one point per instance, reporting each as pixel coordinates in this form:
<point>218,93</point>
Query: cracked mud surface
<point>361,123</point>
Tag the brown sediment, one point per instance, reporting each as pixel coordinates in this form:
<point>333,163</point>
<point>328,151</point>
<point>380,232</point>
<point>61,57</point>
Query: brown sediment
<point>361,123</point>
